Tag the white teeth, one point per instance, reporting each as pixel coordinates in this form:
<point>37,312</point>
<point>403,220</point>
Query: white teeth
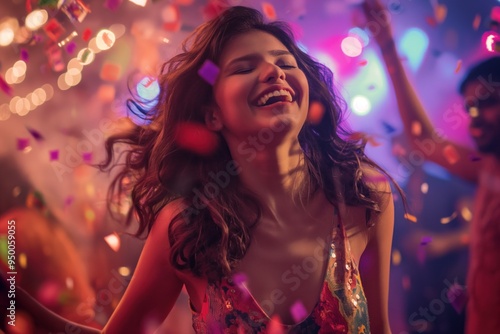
<point>281,92</point>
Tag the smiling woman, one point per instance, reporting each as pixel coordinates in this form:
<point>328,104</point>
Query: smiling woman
<point>275,246</point>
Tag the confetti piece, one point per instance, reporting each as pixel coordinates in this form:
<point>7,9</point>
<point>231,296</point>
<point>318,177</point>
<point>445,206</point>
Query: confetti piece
<point>425,240</point>
<point>446,220</point>
<point>269,11</point>
<point>209,72</point>
<point>451,154</point>
<point>396,257</point>
<point>388,128</point>
<point>440,12</point>
<point>87,33</point>
<point>240,278</point>
<point>459,66</point>
<point>298,311</point>
<point>35,134</point>
<point>172,26</point>
<point>196,138</point>
<point>113,241</point>
<point>87,157</point>
<point>112,4</point>
<point>363,62</point>
<point>54,155</point>
<point>416,128</point>
<point>24,55</point>
<point>275,326</point>
<point>110,72</point>
<point>48,294</point>
<point>495,14</point>
<point>69,200</point>
<point>22,143</point>
<point>477,22</point>
<point>431,21</point>
<point>71,47</point>
<point>406,282</point>
<point>316,112</point>
<point>457,296</point>
<point>410,217</point>
<point>76,10</point>
<point>23,260</point>
<point>4,86</point>
<point>375,178</point>
<point>53,29</point>
<point>424,188</point>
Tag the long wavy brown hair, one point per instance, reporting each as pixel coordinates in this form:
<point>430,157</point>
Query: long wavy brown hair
<point>212,234</point>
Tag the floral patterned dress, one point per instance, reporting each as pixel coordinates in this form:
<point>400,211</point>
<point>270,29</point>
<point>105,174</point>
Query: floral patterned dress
<point>341,307</point>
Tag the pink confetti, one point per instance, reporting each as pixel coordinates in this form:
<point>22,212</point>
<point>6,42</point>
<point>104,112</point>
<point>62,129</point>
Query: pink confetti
<point>54,155</point>
<point>87,33</point>
<point>209,72</point>
<point>298,311</point>
<point>4,86</point>
<point>22,143</point>
<point>69,200</point>
<point>87,157</point>
<point>275,326</point>
<point>240,278</point>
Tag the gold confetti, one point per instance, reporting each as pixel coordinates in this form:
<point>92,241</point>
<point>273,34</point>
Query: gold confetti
<point>424,188</point>
<point>446,220</point>
<point>466,213</point>
<point>23,260</point>
<point>396,257</point>
<point>410,217</point>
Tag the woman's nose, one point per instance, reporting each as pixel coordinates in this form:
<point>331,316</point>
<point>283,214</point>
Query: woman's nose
<point>272,72</point>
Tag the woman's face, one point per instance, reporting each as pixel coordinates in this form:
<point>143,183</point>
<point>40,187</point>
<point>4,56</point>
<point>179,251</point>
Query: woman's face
<point>259,88</point>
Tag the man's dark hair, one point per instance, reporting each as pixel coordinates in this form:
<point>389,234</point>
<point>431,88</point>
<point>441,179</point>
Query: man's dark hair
<point>488,69</point>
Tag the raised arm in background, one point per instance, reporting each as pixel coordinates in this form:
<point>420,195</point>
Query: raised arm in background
<point>418,127</point>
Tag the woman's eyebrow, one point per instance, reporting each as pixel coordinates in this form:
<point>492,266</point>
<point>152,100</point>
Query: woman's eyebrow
<point>252,56</point>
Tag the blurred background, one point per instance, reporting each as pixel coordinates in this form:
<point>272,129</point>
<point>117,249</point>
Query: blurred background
<point>68,66</point>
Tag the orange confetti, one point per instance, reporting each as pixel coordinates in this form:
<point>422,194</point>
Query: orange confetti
<point>440,12</point>
<point>410,217</point>
<point>451,154</point>
<point>416,128</point>
<point>316,112</point>
<point>275,326</point>
<point>459,66</point>
<point>446,220</point>
<point>110,72</point>
<point>396,257</point>
<point>269,11</point>
<point>197,138</point>
<point>477,22</point>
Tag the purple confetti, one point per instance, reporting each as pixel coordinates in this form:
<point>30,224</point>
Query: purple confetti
<point>87,157</point>
<point>389,129</point>
<point>298,311</point>
<point>54,155</point>
<point>22,143</point>
<point>112,4</point>
<point>209,72</point>
<point>25,55</point>
<point>473,157</point>
<point>35,134</point>
<point>425,240</point>
<point>457,296</point>
<point>70,47</point>
<point>239,278</point>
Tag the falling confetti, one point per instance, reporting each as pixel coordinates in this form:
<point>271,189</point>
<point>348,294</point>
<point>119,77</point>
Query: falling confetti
<point>298,311</point>
<point>87,33</point>
<point>410,217</point>
<point>4,86</point>
<point>87,157</point>
<point>477,22</point>
<point>424,188</point>
<point>388,128</point>
<point>363,62</point>
<point>396,257</point>
<point>451,154</point>
<point>446,220</point>
<point>416,128</point>
<point>275,326</point>
<point>113,241</point>
<point>196,138</point>
<point>24,55</point>
<point>459,66</point>
<point>35,134</point>
<point>269,11</point>
<point>316,112</point>
<point>209,72</point>
<point>22,143</point>
<point>440,12</point>
<point>425,240</point>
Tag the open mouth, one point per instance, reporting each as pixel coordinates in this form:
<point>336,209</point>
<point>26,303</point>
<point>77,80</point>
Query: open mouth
<point>273,97</point>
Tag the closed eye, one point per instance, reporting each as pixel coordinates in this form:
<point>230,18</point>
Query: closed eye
<point>243,71</point>
<point>287,66</point>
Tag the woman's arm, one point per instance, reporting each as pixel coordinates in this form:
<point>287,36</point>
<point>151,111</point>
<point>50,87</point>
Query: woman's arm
<point>376,260</point>
<point>417,124</point>
<point>155,286</point>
